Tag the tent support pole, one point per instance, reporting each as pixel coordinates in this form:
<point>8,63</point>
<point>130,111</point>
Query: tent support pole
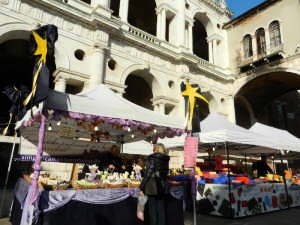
<point>246,167</point>
<point>228,177</point>
<point>285,184</point>
<point>10,159</point>
<point>3,194</point>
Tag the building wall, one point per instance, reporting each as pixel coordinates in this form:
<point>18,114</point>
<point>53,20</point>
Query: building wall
<point>101,40</point>
<point>286,12</point>
<point>102,37</point>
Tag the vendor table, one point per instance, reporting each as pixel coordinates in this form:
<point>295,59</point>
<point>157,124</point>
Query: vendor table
<point>246,200</point>
<point>111,206</point>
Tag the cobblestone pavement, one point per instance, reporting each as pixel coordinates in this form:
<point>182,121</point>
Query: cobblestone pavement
<point>283,217</point>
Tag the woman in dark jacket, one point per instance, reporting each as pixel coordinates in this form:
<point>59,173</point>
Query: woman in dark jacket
<point>158,163</point>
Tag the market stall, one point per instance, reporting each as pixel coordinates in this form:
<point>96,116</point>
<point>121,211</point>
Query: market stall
<point>81,127</point>
<point>92,206</point>
<point>246,200</point>
<point>231,193</point>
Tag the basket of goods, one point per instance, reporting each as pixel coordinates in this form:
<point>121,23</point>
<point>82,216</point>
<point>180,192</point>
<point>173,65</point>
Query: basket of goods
<point>61,186</point>
<point>112,184</point>
<point>83,184</point>
<point>51,183</point>
<point>117,185</point>
<point>134,184</point>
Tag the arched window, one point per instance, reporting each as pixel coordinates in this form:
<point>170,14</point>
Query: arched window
<point>247,45</point>
<point>275,36</point>
<point>260,41</point>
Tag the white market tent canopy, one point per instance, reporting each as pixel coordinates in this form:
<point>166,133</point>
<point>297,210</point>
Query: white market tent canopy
<point>99,115</point>
<point>216,129</point>
<point>286,141</point>
<point>138,148</point>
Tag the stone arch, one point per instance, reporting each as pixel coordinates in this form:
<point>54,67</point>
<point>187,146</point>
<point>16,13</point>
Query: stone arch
<point>208,24</point>
<point>269,97</point>
<point>15,30</point>
<point>243,82</point>
<point>156,86</point>
<point>131,69</point>
<point>142,71</point>
<point>202,30</point>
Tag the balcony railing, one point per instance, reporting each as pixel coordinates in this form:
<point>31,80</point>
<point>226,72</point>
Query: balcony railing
<point>269,52</point>
<point>143,35</point>
<point>85,12</point>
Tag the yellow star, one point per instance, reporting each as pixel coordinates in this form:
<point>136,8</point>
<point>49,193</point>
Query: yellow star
<point>192,94</point>
<point>41,48</point>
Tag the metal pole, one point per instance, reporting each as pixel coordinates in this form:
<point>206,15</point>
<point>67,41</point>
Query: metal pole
<point>228,177</point>
<point>3,194</point>
<point>285,185</point>
<point>193,191</point>
<point>246,167</point>
<point>10,159</point>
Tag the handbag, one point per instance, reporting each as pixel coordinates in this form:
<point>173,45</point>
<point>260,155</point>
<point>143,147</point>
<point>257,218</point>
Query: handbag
<point>154,186</point>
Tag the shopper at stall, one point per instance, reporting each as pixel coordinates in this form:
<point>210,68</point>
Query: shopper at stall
<point>111,160</point>
<point>137,169</point>
<point>157,166</point>
<point>261,167</point>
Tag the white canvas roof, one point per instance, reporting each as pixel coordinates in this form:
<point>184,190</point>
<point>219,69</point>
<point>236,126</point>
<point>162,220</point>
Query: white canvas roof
<point>284,139</point>
<point>104,102</point>
<point>216,129</point>
<point>80,114</point>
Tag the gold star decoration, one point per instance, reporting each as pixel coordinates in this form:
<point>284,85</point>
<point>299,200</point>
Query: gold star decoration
<point>41,48</point>
<point>191,92</point>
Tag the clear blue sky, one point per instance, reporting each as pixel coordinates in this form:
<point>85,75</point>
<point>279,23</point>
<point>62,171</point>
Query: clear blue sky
<point>240,6</point>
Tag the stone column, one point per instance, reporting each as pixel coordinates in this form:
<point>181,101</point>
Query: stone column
<point>162,108</point>
<point>231,109</point>
<point>123,11</point>
<point>158,23</point>
<point>210,53</point>
<point>97,66</point>
<point>60,85</point>
<point>156,107</point>
<point>163,24</point>
<point>254,47</point>
<point>268,42</point>
<point>190,35</point>
<point>180,23</point>
<point>214,50</point>
<point>159,106</point>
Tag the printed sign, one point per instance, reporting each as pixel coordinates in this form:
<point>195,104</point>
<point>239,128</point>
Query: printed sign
<point>190,151</point>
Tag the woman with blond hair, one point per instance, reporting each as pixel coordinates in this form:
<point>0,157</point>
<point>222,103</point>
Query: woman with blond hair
<point>157,165</point>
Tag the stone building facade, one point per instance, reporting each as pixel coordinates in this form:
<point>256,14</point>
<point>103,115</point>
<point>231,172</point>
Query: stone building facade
<point>247,67</point>
<point>143,51</point>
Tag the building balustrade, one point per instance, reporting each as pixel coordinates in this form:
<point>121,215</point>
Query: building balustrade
<point>271,51</point>
<point>83,8</point>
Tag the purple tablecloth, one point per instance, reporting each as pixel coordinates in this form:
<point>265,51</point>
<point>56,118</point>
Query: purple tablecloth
<point>90,206</point>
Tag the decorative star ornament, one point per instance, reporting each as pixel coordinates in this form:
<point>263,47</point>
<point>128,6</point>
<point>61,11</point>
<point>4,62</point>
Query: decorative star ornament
<point>192,93</point>
<point>41,48</point>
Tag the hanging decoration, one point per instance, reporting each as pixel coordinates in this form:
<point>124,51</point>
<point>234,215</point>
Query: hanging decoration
<point>16,96</point>
<point>41,46</point>
<point>190,93</point>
